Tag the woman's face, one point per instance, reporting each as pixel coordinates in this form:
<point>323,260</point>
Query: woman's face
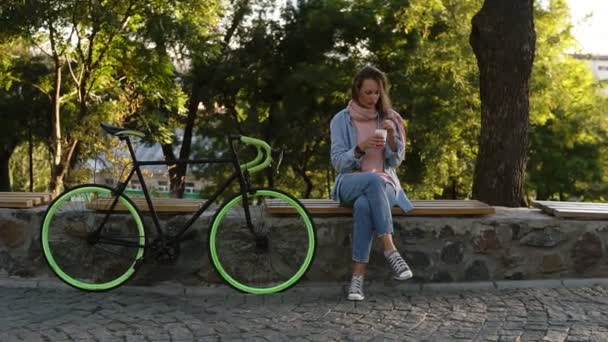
<point>369,93</point>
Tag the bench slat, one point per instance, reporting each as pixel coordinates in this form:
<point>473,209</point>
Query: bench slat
<point>17,203</point>
<point>395,211</point>
<point>571,204</point>
<point>24,199</point>
<point>579,210</point>
<point>556,203</point>
<point>421,208</point>
<point>160,204</point>
<point>591,208</point>
<point>324,205</point>
<point>582,214</point>
<point>314,206</point>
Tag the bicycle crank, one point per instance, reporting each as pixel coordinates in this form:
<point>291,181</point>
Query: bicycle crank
<point>164,253</point>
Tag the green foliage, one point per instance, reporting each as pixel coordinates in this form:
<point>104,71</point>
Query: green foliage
<point>568,117</point>
<point>439,93</point>
<point>20,167</point>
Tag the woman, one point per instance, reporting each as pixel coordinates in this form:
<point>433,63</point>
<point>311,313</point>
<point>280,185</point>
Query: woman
<point>365,162</point>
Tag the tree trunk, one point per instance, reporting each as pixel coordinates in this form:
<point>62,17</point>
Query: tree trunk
<point>30,154</point>
<point>503,39</point>
<point>184,153</point>
<point>5,156</point>
<point>307,180</point>
<point>174,179</point>
<point>56,182</point>
<point>60,169</point>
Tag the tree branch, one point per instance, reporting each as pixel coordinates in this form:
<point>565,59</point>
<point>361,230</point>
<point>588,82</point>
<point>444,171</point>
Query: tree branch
<point>106,46</point>
<point>76,80</point>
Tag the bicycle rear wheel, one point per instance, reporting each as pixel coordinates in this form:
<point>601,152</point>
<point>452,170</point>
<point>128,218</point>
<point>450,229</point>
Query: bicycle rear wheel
<point>82,259</point>
<point>271,257</point>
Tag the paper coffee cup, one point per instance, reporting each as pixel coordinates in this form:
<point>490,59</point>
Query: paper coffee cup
<point>381,133</point>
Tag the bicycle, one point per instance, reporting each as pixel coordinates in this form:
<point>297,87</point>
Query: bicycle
<point>92,246</point>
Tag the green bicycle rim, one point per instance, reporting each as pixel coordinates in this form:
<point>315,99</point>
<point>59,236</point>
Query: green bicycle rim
<point>57,269</point>
<point>276,288</point>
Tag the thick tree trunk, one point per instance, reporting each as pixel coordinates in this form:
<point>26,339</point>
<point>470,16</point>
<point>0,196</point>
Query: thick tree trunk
<point>503,39</point>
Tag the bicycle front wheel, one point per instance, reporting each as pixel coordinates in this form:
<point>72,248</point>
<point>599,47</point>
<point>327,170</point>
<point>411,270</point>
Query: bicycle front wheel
<point>268,257</point>
<point>86,245</point>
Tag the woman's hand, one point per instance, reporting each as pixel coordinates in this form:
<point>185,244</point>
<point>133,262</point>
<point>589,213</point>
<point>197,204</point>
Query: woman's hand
<point>389,126</point>
<point>373,141</point>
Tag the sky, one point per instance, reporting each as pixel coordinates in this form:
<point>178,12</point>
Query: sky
<point>592,32</point>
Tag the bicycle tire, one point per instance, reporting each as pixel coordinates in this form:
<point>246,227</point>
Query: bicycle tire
<point>66,225</point>
<point>280,267</point>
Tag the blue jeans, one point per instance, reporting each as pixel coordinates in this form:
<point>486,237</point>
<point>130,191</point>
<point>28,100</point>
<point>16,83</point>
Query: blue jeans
<point>372,199</point>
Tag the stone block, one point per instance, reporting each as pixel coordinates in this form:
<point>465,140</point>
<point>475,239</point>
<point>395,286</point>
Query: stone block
<point>446,232</point>
<point>516,231</point>
<point>7,263</point>
<point>586,252</point>
<point>548,237</point>
<point>441,277</point>
<point>552,263</point>
<point>510,258</point>
<point>504,235</point>
<point>417,260</point>
<point>486,242</point>
<point>411,234</point>
<point>477,270</point>
<point>452,253</point>
<point>514,275</point>
<point>12,234</point>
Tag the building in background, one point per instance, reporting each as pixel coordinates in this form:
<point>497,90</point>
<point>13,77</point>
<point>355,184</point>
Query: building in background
<point>156,176</point>
<point>598,65</point>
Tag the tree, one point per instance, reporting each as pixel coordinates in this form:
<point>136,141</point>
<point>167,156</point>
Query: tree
<point>437,92</point>
<point>170,99</point>
<point>503,40</point>
<point>23,103</point>
<point>78,37</point>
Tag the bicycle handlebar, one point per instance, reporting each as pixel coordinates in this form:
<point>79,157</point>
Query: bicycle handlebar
<point>256,164</point>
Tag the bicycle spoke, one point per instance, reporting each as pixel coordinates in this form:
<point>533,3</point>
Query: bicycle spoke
<point>272,257</point>
<point>68,237</point>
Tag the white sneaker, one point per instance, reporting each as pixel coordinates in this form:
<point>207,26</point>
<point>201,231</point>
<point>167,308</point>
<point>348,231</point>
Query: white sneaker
<point>400,268</point>
<point>355,292</point>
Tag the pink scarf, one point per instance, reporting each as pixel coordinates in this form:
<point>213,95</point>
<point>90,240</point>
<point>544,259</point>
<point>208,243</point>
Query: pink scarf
<point>364,114</point>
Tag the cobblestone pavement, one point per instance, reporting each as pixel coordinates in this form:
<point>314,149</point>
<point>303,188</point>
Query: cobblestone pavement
<point>56,313</point>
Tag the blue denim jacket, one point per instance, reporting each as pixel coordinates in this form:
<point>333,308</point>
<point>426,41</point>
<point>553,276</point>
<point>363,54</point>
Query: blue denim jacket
<point>343,143</point>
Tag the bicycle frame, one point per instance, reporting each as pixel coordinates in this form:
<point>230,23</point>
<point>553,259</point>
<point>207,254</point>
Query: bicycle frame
<point>243,178</point>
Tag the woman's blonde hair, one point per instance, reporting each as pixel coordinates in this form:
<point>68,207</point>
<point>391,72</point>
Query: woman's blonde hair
<point>371,73</point>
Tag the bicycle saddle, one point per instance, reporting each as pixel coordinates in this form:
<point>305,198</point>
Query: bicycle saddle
<point>121,132</point>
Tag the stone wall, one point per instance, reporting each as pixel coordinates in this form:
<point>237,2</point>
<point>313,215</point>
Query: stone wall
<point>513,244</point>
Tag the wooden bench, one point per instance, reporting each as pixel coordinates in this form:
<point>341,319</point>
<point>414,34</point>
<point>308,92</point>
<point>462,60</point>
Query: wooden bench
<point>164,205</point>
<point>578,210</point>
<point>24,199</point>
<point>319,207</point>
